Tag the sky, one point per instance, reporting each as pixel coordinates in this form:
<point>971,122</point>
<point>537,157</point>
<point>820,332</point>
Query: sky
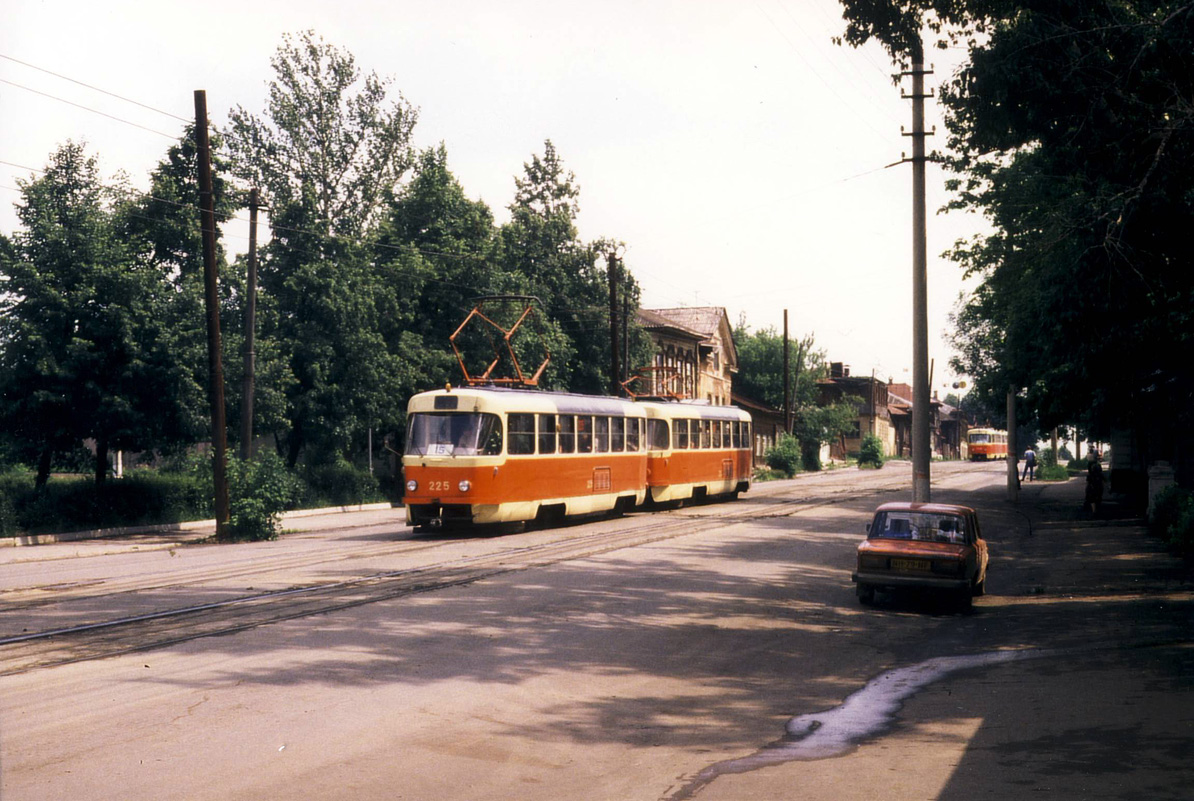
<point>741,156</point>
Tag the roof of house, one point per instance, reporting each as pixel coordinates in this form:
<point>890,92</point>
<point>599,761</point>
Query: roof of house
<point>654,321</point>
<point>704,320</point>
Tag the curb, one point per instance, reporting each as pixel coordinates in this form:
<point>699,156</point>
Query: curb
<point>171,528</point>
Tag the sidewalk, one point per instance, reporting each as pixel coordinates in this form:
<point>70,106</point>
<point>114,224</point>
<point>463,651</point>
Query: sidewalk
<point>172,535</point>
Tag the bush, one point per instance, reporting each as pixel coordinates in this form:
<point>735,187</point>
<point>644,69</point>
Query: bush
<point>258,492</point>
<point>1172,520</point>
<point>871,452</point>
<point>786,456</point>
<point>1048,469</point>
<point>339,484</point>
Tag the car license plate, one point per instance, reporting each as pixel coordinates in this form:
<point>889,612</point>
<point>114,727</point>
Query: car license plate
<point>922,565</point>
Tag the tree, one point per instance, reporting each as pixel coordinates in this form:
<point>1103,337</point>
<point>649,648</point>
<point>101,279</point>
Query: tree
<point>761,376</point>
<point>328,151</point>
<point>86,349</point>
<point>541,244</point>
<point>163,230</point>
<point>1070,130</point>
<point>325,146</point>
<point>436,245</point>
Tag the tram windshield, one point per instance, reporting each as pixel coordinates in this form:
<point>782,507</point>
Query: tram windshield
<point>980,439</point>
<point>454,434</point>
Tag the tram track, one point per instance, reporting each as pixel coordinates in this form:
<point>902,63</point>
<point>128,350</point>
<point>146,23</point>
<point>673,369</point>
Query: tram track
<point>171,626</point>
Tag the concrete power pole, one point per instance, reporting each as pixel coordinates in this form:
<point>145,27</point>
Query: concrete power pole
<point>1013,449</point>
<point>615,386</point>
<point>787,381</point>
<point>207,216</point>
<point>921,445</point>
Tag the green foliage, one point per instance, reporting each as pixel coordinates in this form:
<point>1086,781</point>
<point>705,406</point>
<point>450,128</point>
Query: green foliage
<point>143,497</point>
<point>339,484</point>
<point>786,456</point>
<point>1172,519</point>
<point>259,490</point>
<point>87,351</point>
<point>871,452</point>
<point>1048,469</point>
<point>1069,130</point>
<point>328,151</point>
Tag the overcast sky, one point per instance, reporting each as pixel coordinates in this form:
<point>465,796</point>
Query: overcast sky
<point>739,153</point>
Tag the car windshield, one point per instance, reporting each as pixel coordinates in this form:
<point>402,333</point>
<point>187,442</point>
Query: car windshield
<point>900,525</point>
<point>454,434</point>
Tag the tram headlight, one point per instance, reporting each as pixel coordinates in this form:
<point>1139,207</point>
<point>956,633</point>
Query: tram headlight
<point>412,485</point>
<point>465,485</point>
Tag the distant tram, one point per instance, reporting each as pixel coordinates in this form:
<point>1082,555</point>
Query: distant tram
<point>986,443</point>
<point>495,455</point>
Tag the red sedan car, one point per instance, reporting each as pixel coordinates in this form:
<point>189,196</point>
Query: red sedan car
<point>927,546</point>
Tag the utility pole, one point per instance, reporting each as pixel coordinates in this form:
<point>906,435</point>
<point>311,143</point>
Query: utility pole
<point>246,420</point>
<point>612,265</point>
<point>626,328</point>
<point>207,216</point>
<point>920,319</point>
<point>1013,473</point>
<point>787,382</point>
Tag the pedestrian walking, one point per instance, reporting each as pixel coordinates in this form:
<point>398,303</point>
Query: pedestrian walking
<point>1029,465</point>
<point>1094,486</point>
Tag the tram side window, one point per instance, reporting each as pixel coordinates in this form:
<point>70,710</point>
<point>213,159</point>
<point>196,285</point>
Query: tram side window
<point>522,433</point>
<point>680,435</point>
<point>737,424</point>
<point>633,424</point>
<point>584,434</point>
<point>719,432</point>
<point>547,433</point>
<point>704,433</point>
<point>601,434</point>
<point>657,435</point>
<point>567,433</point>
<point>617,434</point>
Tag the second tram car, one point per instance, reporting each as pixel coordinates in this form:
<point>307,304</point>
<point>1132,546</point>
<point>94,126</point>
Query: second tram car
<point>986,443</point>
<point>696,451</point>
<point>495,455</point>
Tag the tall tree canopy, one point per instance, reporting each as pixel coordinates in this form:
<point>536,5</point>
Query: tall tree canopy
<point>1071,130</point>
<point>86,349</point>
<point>542,244</point>
<point>328,151</point>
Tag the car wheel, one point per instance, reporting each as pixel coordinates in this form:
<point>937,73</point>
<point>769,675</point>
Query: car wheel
<point>866,594</point>
<point>964,599</point>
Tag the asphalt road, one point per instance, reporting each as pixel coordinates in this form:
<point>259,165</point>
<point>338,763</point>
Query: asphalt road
<point>716,652</point>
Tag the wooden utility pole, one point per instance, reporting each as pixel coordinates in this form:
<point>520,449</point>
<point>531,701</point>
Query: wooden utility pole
<point>921,446</point>
<point>246,420</point>
<point>614,372</point>
<point>207,217</point>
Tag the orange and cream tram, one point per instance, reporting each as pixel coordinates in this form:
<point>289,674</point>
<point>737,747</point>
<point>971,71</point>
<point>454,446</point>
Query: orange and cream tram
<point>495,455</point>
<point>696,451</point>
<point>986,443</point>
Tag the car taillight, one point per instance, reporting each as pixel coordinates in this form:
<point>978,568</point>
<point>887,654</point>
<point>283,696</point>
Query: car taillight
<point>872,562</point>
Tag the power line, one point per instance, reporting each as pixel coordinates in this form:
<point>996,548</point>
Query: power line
<point>86,108</point>
<point>93,88</point>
